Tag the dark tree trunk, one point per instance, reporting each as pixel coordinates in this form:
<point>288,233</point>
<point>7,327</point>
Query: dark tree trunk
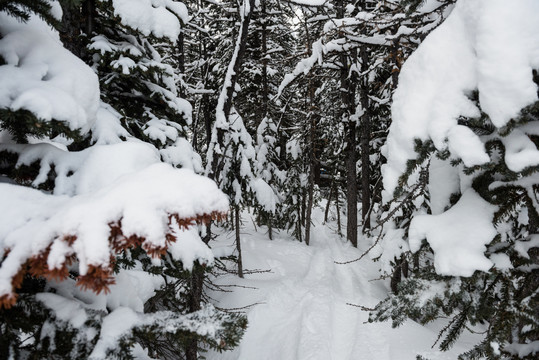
<point>326,212</point>
<point>303,206</point>
<point>347,97</point>
<point>181,59</point>
<point>239,59</point>
<point>71,29</point>
<point>195,298</point>
<point>270,228</point>
<point>206,111</point>
<point>265,90</point>
<point>88,13</point>
<point>238,240</point>
<point>312,118</point>
<point>351,184</point>
<point>365,143</point>
<point>348,108</point>
<point>396,278</point>
<point>309,209</point>
<point>339,229</point>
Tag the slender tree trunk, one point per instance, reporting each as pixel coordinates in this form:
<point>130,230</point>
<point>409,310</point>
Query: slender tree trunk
<point>351,184</point>
<point>312,159</point>
<point>71,28</point>
<point>309,205</point>
<point>348,107</point>
<point>326,212</point>
<point>88,13</point>
<point>238,240</point>
<point>195,298</point>
<point>303,206</point>
<point>339,229</point>
<point>365,143</point>
<point>206,111</point>
<point>239,56</point>
<point>396,278</point>
<point>265,90</point>
<point>181,59</point>
<point>351,159</point>
<point>300,237</point>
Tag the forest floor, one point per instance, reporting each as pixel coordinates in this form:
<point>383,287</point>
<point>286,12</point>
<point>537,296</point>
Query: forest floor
<point>300,308</point>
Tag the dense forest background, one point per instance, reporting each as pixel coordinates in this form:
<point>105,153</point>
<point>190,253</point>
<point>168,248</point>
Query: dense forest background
<point>131,132</point>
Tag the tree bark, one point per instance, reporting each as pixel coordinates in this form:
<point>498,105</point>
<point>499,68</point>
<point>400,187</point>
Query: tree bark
<point>265,90</point>
<point>351,184</point>
<point>181,59</point>
<point>71,28</point>
<point>365,143</point>
<point>326,212</point>
<point>238,240</point>
<point>239,58</point>
<point>339,229</point>
<point>195,298</point>
<point>88,13</point>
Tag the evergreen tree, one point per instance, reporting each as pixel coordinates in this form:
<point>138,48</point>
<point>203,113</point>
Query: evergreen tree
<point>483,271</point>
<point>144,297</point>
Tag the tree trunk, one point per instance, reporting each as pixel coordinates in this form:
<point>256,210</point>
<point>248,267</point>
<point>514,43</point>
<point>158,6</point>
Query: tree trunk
<point>339,229</point>
<point>348,107</point>
<point>181,60</point>
<point>239,57</point>
<point>396,278</point>
<point>351,184</point>
<point>265,90</point>
<point>238,240</point>
<point>88,13</point>
<point>71,28</point>
<point>326,212</point>
<point>195,298</point>
<point>365,143</point>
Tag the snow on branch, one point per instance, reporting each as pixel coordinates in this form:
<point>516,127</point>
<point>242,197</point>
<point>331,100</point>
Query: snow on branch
<point>125,204</point>
<point>158,17</point>
<point>41,76</point>
<point>489,46</point>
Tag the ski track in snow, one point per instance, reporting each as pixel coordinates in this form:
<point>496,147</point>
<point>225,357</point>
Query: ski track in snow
<point>303,313</point>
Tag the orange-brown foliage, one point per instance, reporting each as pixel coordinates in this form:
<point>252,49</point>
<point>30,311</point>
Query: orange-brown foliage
<point>98,278</point>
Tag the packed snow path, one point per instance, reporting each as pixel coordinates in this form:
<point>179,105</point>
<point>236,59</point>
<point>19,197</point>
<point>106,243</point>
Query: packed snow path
<point>302,311</point>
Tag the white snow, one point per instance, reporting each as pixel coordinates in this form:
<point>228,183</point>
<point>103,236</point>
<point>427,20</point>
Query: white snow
<point>105,184</point>
<point>443,182</point>
<point>485,45</point>
<point>458,236</point>
<point>158,17</point>
<point>43,77</point>
<point>299,310</point>
<point>264,194</point>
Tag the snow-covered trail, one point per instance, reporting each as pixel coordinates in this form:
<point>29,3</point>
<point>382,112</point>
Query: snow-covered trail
<point>302,311</point>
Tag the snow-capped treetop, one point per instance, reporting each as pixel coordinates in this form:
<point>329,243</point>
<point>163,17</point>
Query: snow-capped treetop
<point>490,46</point>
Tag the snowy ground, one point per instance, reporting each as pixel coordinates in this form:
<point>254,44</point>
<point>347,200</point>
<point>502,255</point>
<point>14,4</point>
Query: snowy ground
<point>302,310</point>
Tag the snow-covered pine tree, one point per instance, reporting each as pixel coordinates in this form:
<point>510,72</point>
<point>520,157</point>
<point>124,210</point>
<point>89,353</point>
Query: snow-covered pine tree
<point>95,224</point>
<point>268,45</point>
<point>139,77</point>
<point>477,159</point>
<point>267,169</point>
